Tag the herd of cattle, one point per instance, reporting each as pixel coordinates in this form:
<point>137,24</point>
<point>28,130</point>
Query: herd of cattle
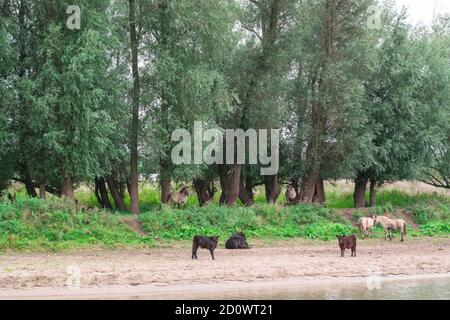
<point>365,224</point>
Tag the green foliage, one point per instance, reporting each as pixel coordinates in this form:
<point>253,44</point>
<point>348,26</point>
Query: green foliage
<point>436,229</point>
<point>357,215</point>
<point>33,224</point>
<point>261,221</point>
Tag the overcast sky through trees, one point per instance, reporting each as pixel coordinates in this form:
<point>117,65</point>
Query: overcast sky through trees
<point>423,11</point>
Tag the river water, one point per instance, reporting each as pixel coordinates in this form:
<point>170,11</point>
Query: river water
<point>429,289</point>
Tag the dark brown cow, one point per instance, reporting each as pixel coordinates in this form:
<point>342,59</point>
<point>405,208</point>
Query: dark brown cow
<point>347,242</point>
<point>209,243</point>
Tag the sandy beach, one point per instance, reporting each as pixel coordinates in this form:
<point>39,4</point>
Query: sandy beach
<point>169,272</point>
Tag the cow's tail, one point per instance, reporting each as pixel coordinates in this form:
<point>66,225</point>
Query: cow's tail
<point>404,228</point>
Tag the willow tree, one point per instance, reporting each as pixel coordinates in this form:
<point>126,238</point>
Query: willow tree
<point>186,50</point>
<point>259,66</point>
<point>61,92</point>
<point>6,158</point>
<point>436,95</point>
<point>327,93</point>
<point>136,96</point>
<point>407,98</point>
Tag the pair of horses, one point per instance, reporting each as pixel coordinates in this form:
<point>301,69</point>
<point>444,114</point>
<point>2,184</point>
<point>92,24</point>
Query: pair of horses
<point>366,225</point>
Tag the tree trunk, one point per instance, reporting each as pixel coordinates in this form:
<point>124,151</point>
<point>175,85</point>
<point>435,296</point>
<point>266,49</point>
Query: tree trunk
<point>230,176</point>
<point>29,186</point>
<point>114,189</point>
<point>42,189</point>
<point>103,193</point>
<point>373,192</point>
<point>134,183</point>
<point>122,189</point>
<point>165,191</point>
<point>313,190</point>
<point>246,188</point>
<point>97,194</point>
<point>67,188</point>
<point>273,189</point>
<point>359,196</point>
<point>245,196</point>
<point>204,191</point>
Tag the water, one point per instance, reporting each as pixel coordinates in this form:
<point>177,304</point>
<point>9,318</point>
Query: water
<point>430,289</point>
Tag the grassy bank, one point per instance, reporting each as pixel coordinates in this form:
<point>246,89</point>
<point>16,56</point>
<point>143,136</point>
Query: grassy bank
<point>32,224</point>
<point>271,221</point>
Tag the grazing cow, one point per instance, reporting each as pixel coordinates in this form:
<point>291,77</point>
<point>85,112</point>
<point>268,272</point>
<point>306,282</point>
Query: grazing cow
<point>347,242</point>
<point>237,241</point>
<point>209,243</point>
<point>366,225</point>
<point>179,198</point>
<point>389,225</point>
<point>291,195</point>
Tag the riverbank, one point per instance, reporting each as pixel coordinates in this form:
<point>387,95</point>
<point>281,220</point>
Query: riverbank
<point>167,272</point>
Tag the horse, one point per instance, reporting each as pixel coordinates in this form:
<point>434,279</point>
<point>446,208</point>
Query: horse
<point>291,195</point>
<point>179,198</point>
<point>366,225</point>
<point>389,225</point>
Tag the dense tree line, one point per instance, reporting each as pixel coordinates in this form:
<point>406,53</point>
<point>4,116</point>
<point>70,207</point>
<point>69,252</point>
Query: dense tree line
<point>357,96</point>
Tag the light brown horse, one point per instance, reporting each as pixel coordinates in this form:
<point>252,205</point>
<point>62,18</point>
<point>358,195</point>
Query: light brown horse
<point>291,195</point>
<point>366,225</point>
<point>389,225</point>
<point>179,198</point>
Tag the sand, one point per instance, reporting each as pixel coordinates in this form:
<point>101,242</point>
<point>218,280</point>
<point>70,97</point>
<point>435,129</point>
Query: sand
<point>156,273</point>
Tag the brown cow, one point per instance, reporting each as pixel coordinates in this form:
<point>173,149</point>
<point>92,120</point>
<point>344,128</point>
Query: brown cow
<point>203,242</point>
<point>347,242</point>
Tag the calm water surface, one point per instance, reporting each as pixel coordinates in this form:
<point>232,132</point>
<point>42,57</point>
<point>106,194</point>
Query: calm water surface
<point>436,289</point>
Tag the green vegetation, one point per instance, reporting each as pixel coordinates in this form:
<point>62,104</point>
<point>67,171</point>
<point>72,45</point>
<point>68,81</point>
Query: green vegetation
<point>34,224</point>
<point>260,221</point>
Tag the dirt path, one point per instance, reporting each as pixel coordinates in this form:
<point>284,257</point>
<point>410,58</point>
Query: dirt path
<point>130,270</point>
<point>135,225</point>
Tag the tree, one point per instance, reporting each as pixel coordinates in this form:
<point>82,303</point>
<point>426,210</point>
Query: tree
<point>436,94</point>
<point>326,94</point>
<point>6,156</point>
<point>188,48</point>
<point>60,112</point>
<point>134,39</point>
<point>259,67</point>
<point>405,98</point>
